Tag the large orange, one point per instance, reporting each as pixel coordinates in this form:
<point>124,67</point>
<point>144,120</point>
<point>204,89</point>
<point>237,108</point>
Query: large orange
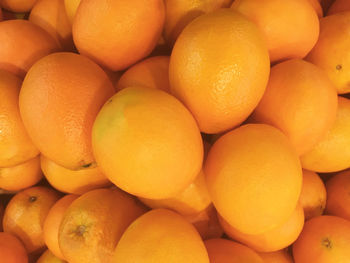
<point>71,8</point>
<point>287,35</point>
<point>226,251</point>
<point>152,72</point>
<point>275,239</point>
<point>22,44</point>
<point>51,15</point>
<point>93,224</point>
<point>281,256</point>
<point>331,51</point>
<point>15,145</point>
<point>339,6</point>
<point>160,236</point>
<point>24,175</point>
<point>331,154</point>
<point>219,69</point>
<point>18,6</point>
<point>244,172</point>
<point>72,181</point>
<point>48,257</point>
<point>324,239</point>
<point>313,195</point>
<point>116,34</point>
<point>297,92</point>
<point>25,215</point>
<point>52,224</point>
<point>11,249</point>
<point>147,143</point>
<point>59,100</point>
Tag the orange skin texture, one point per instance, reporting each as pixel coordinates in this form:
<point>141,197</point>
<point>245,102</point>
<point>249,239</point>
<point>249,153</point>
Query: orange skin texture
<point>297,92</point>
<point>51,16</point>
<point>116,34</point>
<point>313,195</point>
<point>152,72</point>
<point>330,154</point>
<point>17,6</point>
<point>16,34</point>
<point>71,8</point>
<point>214,57</point>
<point>160,236</point>
<point>324,239</point>
<point>59,101</point>
<point>330,52</point>
<point>339,6</point>
<point>281,256</point>
<point>274,239</point>
<point>11,249</point>
<point>15,145</point>
<point>286,36</point>
<point>21,176</point>
<point>71,181</point>
<point>138,125</point>
<point>25,214</point>
<point>48,257</point>
<point>93,224</point>
<point>243,171</point>
<point>226,251</point>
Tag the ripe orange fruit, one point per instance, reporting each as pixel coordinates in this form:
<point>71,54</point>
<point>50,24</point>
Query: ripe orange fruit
<point>275,239</point>
<point>15,145</point>
<point>93,224</point>
<point>73,181</point>
<point>51,16</point>
<point>152,72</point>
<point>18,6</point>
<point>71,7</point>
<point>330,154</point>
<point>25,215</point>
<point>339,6</point>
<point>11,249</point>
<point>213,69</point>
<point>226,251</point>
<point>160,236</point>
<point>313,195</point>
<point>243,171</point>
<point>52,224</point>
<point>24,175</point>
<point>143,140</point>
<point>116,34</point>
<point>323,239</point>
<point>297,92</point>
<point>281,256</point>
<point>287,36</point>
<point>16,34</point>
<point>59,100</point>
<point>331,53</point>
<point>48,257</point>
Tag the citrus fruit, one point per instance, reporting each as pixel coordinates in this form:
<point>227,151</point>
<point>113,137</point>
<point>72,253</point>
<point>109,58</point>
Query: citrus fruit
<point>11,249</point>
<point>18,6</point>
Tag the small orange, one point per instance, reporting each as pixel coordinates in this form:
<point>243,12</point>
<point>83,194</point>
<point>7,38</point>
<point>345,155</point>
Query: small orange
<point>11,249</point>
<point>281,256</point>
<point>71,8</point>
<point>48,257</point>
<point>25,215</point>
<point>152,72</point>
<point>18,6</point>
<point>24,175</point>
<point>160,236</point>
<point>339,6</point>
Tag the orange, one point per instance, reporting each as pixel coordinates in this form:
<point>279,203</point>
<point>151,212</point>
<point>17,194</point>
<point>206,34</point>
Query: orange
<point>71,181</point>
<point>339,6</point>
<point>11,249</point>
<point>331,53</point>
<point>93,224</point>
<point>317,6</point>
<point>275,239</point>
<point>331,153</point>
<point>18,6</point>
<point>324,239</point>
<point>51,16</point>
<point>243,171</point>
<point>160,236</point>
<point>281,256</point>
<point>313,195</point>
<point>48,257</point>
<point>219,69</point>
<point>147,143</point>
<point>297,92</point>
<point>152,72</point>
<point>71,8</point>
<point>179,13</point>
<point>52,224</point>
<point>59,100</point>
<point>15,145</point>
<point>24,175</point>
<point>226,251</point>
<point>17,34</point>
<point>25,215</point>
<point>116,34</point>
<point>287,35</point>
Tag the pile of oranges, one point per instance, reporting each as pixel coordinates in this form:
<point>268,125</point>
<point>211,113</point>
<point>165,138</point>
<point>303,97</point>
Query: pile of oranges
<point>174,131</point>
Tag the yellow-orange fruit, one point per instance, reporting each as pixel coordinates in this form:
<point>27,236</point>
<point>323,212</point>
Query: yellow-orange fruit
<point>18,6</point>
<point>339,6</point>
<point>71,8</point>
<point>281,256</point>
<point>11,249</point>
<point>48,257</point>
